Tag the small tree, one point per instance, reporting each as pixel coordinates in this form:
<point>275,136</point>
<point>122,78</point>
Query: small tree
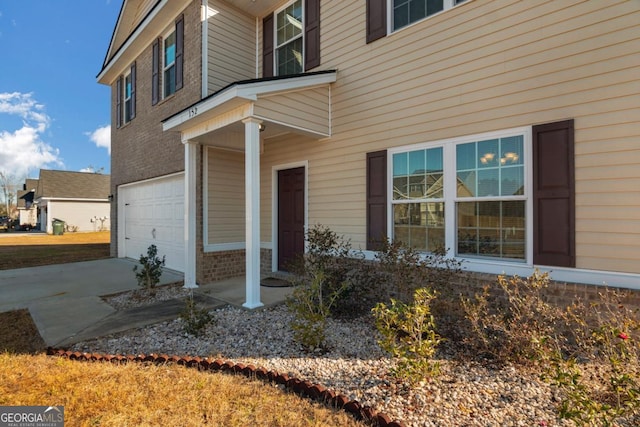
<point>149,275</point>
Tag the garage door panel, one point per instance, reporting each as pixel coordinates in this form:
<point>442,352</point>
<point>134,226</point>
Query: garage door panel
<point>154,214</point>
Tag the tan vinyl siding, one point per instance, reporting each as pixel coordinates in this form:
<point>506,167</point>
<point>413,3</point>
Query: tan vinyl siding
<point>308,110</point>
<point>479,67</point>
<point>230,46</point>
<point>226,196</point>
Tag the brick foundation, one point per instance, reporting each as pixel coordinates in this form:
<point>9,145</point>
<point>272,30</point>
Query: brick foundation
<point>226,264</point>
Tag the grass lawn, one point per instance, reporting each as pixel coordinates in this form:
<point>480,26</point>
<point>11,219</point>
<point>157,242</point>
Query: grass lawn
<point>29,250</point>
<point>105,394</point>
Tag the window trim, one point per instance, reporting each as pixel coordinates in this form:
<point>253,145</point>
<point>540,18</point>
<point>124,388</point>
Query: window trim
<point>450,197</point>
<point>302,36</point>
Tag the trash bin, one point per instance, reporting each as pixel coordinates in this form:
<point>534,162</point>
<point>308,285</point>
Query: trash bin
<point>58,227</point>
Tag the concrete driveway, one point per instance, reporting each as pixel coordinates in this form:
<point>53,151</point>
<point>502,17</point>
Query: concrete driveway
<point>64,299</point>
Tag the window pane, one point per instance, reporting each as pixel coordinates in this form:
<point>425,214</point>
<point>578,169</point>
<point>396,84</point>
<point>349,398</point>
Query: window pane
<point>417,10</point>
<point>488,154</point>
<point>417,162</point>
<point>494,229</point>
<point>434,6</point>
<point>400,164</point>
<point>512,181</point>
<point>466,156</point>
<point>466,184</point>
<point>127,87</point>
<point>488,183</point>
<point>400,188</point>
<point>290,58</point>
<point>419,225</point>
<point>406,12</point>
<point>289,23</point>
<point>511,151</point>
<point>170,49</point>
<point>400,13</point>
<point>169,80</point>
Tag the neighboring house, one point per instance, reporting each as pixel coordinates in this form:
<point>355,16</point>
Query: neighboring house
<point>27,210</point>
<point>79,199</point>
<point>506,131</point>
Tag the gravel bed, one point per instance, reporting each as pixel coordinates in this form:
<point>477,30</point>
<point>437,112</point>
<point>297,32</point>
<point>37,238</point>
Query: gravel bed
<point>354,365</point>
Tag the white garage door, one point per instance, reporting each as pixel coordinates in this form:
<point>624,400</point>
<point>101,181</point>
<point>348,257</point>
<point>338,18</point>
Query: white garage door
<point>152,213</point>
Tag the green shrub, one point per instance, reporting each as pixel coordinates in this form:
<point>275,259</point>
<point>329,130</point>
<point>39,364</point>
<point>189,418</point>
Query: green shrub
<point>311,305</point>
<point>149,275</point>
<point>194,318</point>
<point>408,334</point>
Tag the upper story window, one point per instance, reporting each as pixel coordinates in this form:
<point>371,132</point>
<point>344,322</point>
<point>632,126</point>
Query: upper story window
<point>291,39</point>
<point>289,35</point>
<point>126,97</point>
<point>167,58</point>
<point>405,12</point>
<point>169,64</point>
<point>384,16</point>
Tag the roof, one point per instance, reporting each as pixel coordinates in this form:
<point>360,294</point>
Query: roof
<point>56,184</point>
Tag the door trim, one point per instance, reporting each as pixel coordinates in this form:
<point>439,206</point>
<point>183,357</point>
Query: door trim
<point>274,206</point>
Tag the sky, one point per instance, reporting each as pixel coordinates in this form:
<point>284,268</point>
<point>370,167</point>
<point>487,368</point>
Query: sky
<point>53,112</point>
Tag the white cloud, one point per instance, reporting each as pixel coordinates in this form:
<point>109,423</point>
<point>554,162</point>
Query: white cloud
<point>101,137</point>
<point>23,150</point>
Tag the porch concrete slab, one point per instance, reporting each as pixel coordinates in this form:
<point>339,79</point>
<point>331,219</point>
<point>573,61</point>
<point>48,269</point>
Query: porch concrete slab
<point>232,291</point>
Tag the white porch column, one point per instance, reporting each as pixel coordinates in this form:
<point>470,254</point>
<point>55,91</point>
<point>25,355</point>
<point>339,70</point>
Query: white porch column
<point>252,208</point>
<point>190,177</point>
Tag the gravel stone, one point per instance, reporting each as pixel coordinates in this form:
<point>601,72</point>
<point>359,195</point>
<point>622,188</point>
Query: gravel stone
<point>465,394</point>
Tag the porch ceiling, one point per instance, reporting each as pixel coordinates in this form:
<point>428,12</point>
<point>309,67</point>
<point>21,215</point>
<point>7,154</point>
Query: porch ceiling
<point>294,104</point>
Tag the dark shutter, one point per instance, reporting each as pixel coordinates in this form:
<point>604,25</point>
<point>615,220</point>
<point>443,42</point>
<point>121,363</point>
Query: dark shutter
<point>554,195</point>
<point>376,19</point>
<point>312,34</point>
<point>267,46</point>
<point>132,113</point>
<point>376,199</point>
<point>155,74</point>
<point>119,102</point>
<point>179,51</point>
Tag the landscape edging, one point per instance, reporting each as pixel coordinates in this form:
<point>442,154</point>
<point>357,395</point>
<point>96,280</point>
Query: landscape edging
<point>305,389</point>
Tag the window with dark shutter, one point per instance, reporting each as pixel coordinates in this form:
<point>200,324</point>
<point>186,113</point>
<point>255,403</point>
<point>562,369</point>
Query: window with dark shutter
<point>376,199</point>
<point>267,46</point>
<point>179,52</point>
<point>119,102</point>
<point>132,114</point>
<point>554,194</point>
<point>155,75</point>
<point>376,19</point>
<point>312,34</point>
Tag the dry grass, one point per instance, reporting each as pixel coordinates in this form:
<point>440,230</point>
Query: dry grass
<point>29,250</point>
<point>18,333</point>
<point>104,394</point>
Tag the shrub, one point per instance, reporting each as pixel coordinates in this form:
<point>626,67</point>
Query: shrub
<point>149,275</point>
<point>408,332</point>
<point>194,318</point>
<point>513,327</point>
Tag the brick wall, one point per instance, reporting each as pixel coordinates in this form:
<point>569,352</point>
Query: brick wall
<point>140,149</point>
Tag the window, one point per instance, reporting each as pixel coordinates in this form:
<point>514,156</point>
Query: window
<point>126,97</point>
<point>169,64</point>
<point>467,194</point>
<point>418,198</point>
<point>400,13</point>
<point>406,12</point>
<point>167,68</point>
<point>289,35</point>
<point>291,39</point>
<point>128,90</point>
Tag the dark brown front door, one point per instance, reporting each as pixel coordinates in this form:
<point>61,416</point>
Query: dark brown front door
<point>290,216</point>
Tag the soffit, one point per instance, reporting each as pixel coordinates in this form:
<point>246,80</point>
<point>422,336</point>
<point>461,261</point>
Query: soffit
<point>257,8</point>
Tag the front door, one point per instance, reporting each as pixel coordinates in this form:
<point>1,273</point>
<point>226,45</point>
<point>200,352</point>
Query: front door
<point>290,216</point>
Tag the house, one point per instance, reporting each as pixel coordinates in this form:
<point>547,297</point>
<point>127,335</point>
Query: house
<point>79,199</point>
<point>27,210</point>
<point>506,131</point>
